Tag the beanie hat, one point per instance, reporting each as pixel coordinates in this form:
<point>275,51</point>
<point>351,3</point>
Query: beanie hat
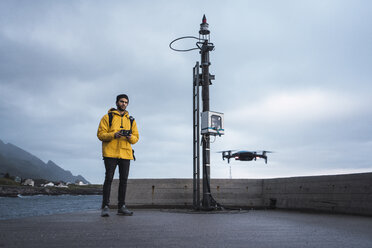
<point>122,96</point>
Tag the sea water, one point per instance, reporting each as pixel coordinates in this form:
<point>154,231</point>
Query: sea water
<point>26,206</point>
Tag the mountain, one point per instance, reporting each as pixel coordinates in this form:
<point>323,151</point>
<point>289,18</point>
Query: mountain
<point>18,162</point>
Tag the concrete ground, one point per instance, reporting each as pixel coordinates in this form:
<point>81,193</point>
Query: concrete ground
<point>182,228</point>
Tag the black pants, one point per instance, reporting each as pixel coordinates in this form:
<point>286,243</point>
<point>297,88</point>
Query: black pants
<point>110,165</point>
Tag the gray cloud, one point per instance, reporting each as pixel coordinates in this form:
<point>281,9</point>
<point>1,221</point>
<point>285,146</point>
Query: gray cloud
<point>290,76</point>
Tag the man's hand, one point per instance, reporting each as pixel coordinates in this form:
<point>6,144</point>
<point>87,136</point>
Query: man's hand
<point>118,135</point>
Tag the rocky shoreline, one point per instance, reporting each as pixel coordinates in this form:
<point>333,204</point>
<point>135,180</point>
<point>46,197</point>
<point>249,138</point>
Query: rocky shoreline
<point>14,191</point>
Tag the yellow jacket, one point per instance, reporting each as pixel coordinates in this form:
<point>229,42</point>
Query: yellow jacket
<point>120,147</point>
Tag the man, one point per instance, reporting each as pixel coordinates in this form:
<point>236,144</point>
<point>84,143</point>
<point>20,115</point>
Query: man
<point>117,131</point>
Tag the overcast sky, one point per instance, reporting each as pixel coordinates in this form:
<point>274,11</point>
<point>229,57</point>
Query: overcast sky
<point>293,77</point>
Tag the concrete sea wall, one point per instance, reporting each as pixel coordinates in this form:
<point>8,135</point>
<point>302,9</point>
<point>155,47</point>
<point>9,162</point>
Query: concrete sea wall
<point>350,193</point>
<point>179,192</point>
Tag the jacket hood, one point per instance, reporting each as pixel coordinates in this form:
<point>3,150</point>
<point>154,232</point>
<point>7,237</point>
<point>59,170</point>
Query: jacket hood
<point>116,112</point>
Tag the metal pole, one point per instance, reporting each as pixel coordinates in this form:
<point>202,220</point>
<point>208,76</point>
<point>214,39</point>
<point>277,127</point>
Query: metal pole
<point>206,141</point>
<point>203,81</point>
<point>204,51</point>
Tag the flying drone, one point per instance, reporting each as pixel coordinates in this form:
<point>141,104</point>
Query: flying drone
<point>244,155</point>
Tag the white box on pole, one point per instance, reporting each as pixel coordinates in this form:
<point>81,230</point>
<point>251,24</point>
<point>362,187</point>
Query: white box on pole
<point>212,123</point>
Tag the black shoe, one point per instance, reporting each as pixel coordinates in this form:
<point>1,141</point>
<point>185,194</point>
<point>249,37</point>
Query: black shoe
<point>124,211</point>
<point>105,212</point>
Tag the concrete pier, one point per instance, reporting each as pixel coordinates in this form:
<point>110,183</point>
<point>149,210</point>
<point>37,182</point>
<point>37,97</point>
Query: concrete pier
<point>182,228</point>
<point>279,223</point>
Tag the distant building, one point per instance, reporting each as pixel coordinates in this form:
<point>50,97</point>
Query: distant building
<point>29,182</point>
<point>80,183</point>
<point>50,184</point>
<point>61,185</point>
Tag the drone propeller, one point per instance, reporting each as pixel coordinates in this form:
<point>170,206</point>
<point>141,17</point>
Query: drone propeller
<point>226,151</point>
<point>226,154</point>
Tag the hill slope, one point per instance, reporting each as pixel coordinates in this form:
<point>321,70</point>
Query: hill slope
<point>18,162</point>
